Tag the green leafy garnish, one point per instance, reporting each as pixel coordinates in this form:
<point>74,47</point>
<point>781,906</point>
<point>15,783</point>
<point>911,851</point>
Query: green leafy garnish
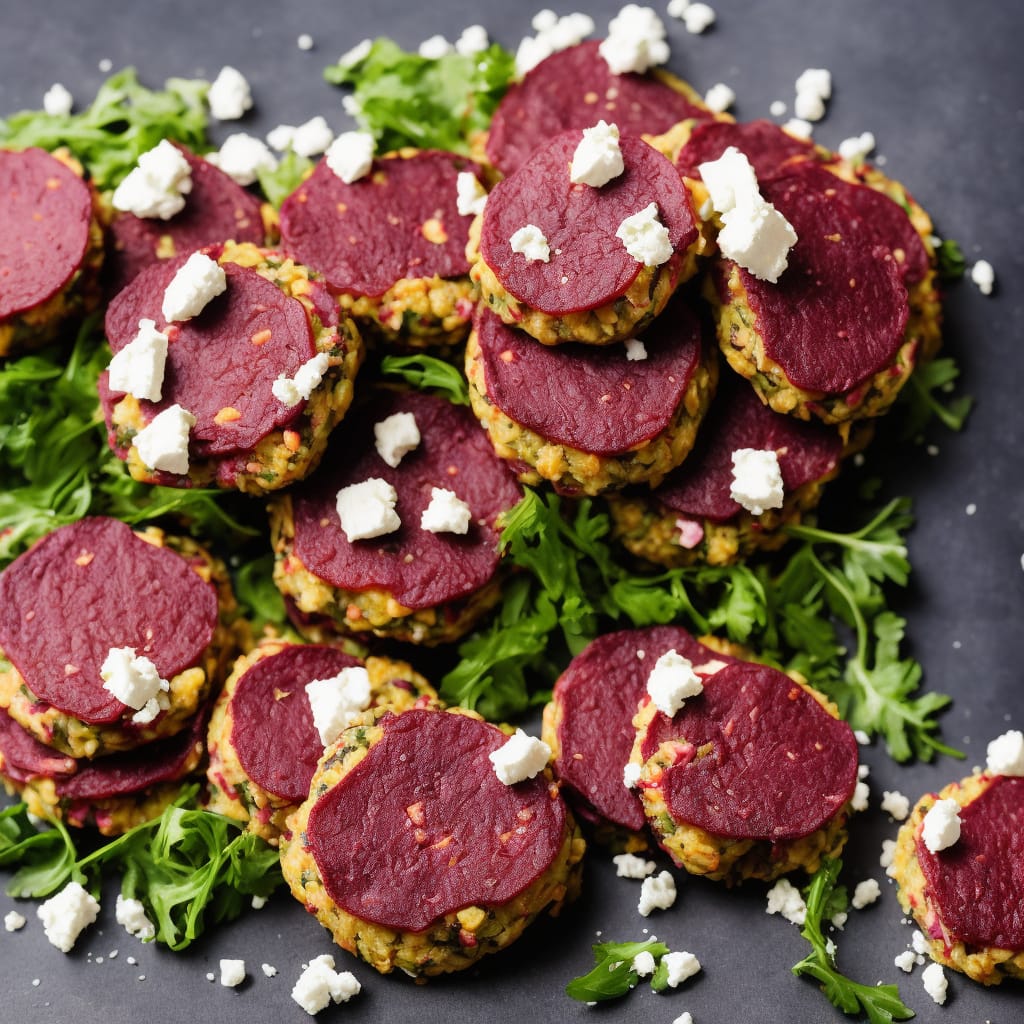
<point>881,1003</point>
<point>189,867</point>
<point>950,260</point>
<point>259,601</point>
<point>920,400</point>
<point>283,180</point>
<point>124,121</point>
<point>613,975</point>
<point>428,373</point>
<point>404,99</point>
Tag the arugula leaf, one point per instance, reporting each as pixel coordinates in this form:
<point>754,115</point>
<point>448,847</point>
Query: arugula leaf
<point>428,373</point>
<point>283,180</point>
<point>259,601</point>
<point>124,120</point>
<point>404,99</point>
<point>920,401</point>
<point>47,857</point>
<point>613,975</point>
<point>881,1003</point>
<point>950,260</point>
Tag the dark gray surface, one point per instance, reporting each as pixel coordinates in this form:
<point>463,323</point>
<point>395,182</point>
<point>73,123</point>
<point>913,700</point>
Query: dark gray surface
<point>939,84</point>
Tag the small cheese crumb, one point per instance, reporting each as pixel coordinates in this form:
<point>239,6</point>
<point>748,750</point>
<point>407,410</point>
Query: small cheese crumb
<point>646,239</point>
<point>258,902</point>
<point>337,702</point>
<point>319,984</point>
<point>629,865</point>
<point>395,436</point>
<point>643,964</point>
<point>229,96</point>
<point>680,966</point>
<point>473,40</point>
<point>657,893</point>
<point>1005,754</point>
<point>672,681</point>
<point>777,108</point>
<point>861,737</point>
<point>367,509</point>
<point>232,972</point>
<point>519,758</point>
<point>553,34</point>
<point>857,147</point>
<point>358,53</point>
<point>941,826</point>
<point>785,899</point>
<point>529,241</point>
<point>839,919</point>
<point>895,804</point>
<point>57,101</point>
<point>813,88</point>
<point>131,915</point>
<point>67,914</point>
<point>163,443</point>
<point>435,48</point>
<point>304,42</point>
<point>919,942</point>
<point>756,480</point>
<point>138,369</point>
<point>635,42</point>
<point>684,1018</point>
<point>631,775</point>
<point>636,350</point>
<point>983,276</point>
<point>157,185</point>
<point>933,977</point>
<point>134,681</point>
<point>198,281</point>
<point>471,196</point>
<point>241,157</point>
<point>798,127</point>
<point>350,155</point>
<point>865,894</point>
<point>292,390</point>
<point>310,138</point>
<point>13,921</point>
<point>888,854</point>
<point>446,513</point>
<point>720,97</point>
<point>861,793</point>
<point>597,158</point>
<point>269,970</point>
<point>697,18</point>
<point>906,960</point>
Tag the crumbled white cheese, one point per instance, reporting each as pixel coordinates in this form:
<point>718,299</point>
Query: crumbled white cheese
<point>305,41</point>
<point>983,276</point>
<point>131,915</point>
<point>229,96</point>
<point>138,369</point>
<point>269,970</point>
<point>163,443</point>
<point>730,181</point>
<point>57,101</point>
<point>134,680</point>
<point>657,893</point>
<point>798,127</point>
<point>157,185</point>
<point>470,195</point>
<point>629,865</point>
<point>684,1018</point>
<point>631,775</point>
<point>646,239</point>
<point>597,158</point>
<point>888,854</point>
<point>861,737</point>
<point>809,106</point>
<point>529,241</point>
<point>865,894</point>
<point>66,915</point>
<point>319,984</point>
<point>473,40</point>
<point>756,480</point>
<point>395,436</point>
<point>435,48</point>
<point>367,509</point>
<point>919,942</point>
<point>941,826</point>
<point>519,758</point>
<point>857,147</point>
<point>758,238</point>
<point>553,34</point>
<point>839,919</point>
<point>1005,754</point>
<point>310,138</point>
<point>636,350</point>
<point>813,88</point>
<point>292,390</point>
<point>859,800</point>
<point>935,984</point>
<point>350,58</point>
<point>337,702</point>
<point>232,972</point>
<point>697,18</point>
<point>198,281</point>
<point>672,681</point>
<point>777,108</point>
<point>350,155</point>
<point>643,964</point>
<point>13,921</point>
<point>785,899</point>
<point>635,42</point>
<point>680,966</point>
<point>720,97</point>
<point>446,513</point>
<point>241,157</point>
<point>895,804</point>
<point>906,960</point>
<point>258,902</point>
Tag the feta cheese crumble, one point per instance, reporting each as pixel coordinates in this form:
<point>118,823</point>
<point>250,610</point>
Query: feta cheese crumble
<point>157,185</point>
<point>629,865</point>
<point>319,985</point>
<point>681,966</point>
<point>906,960</point>
<point>1005,754</point>
<point>756,480</point>
<point>134,680</point>
<point>631,775</point>
<point>636,350</point>
<point>941,826</point>
<point>672,681</point>
<point>163,443</point>
<point>473,40</point>
<point>131,915</point>
<point>643,964</point>
<point>292,390</point>
<point>598,158</point>
<point>367,509</point>
<point>657,893</point>
<point>470,195</point>
<point>895,804</point>
<point>446,513</point>
<point>395,436</point>
<point>983,276</point>
<point>232,972</point>
<point>785,899</point>
<point>519,758</point>
<point>857,147</point>
<point>198,281</point>
<point>337,702</point>
<point>138,369</point>
<point>66,915</point>
<point>435,48</point>
<point>720,97</point>
<point>553,34</point>
<point>241,157</point>
<point>311,138</point>
<point>350,155</point>
<point>861,793</point>
<point>57,101</point>
<point>646,239</point>
<point>229,96</point>
<point>933,977</point>
<point>865,894</point>
<point>13,921</point>
<point>635,42</point>
<point>813,88</point>
<point>304,42</point>
<point>697,18</point>
<point>529,241</point>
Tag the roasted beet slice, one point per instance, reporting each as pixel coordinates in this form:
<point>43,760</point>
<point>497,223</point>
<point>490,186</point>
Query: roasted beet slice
<point>23,757</point>
<point>764,144</point>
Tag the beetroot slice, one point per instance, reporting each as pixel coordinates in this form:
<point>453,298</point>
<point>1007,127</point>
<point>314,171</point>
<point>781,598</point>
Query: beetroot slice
<point>417,568</point>
<point>217,210</point>
<point>213,361</point>
<point>47,210</point>
<point>598,694</point>
<point>422,827</point>
<point>977,885</point>
<point>702,485</point>
<point>91,586</point>
<point>23,757</point>
<point>398,221</point>
<point>838,312</point>
<point>592,398</point>
<point>273,734</point>
<point>780,766</point>
<point>588,266</point>
<point>764,144</point>
<point>575,89</point>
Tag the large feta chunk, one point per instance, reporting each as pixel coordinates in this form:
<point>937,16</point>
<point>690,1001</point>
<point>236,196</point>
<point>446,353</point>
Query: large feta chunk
<point>66,915</point>
<point>643,964</point>
<point>785,899</point>
<point>553,34</point>
<point>229,96</point>
<point>13,921</point>
<point>131,915</point>
<point>157,186</point>
<point>672,681</point>
<point>319,985</point>
<point>865,894</point>
<point>895,804</point>
<point>635,42</point>
<point>311,138</point>
<point>629,865</point>
<point>756,480</point>
<point>446,513</point>
<point>470,195</point>
<point>198,281</point>
<point>1005,754</point>
<point>337,702</point>
<point>133,680</point>
<point>163,443</point>
<point>758,238</point>
<point>680,966</point>
<point>289,391</point>
<point>658,892</point>
<point>350,155</point>
<point>241,157</point>
<point>941,825</point>
<point>232,972</point>
<point>138,369</point>
<point>473,40</point>
<point>435,48</point>
<point>933,977</point>
<point>720,97</point>
<point>730,180</point>
<point>645,237</point>
<point>983,276</point>
<point>529,241</point>
<point>367,509</point>
<point>519,758</point>
<point>598,158</point>
<point>395,436</point>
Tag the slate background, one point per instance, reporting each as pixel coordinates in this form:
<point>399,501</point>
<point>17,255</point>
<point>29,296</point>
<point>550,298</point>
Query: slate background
<point>939,83</point>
